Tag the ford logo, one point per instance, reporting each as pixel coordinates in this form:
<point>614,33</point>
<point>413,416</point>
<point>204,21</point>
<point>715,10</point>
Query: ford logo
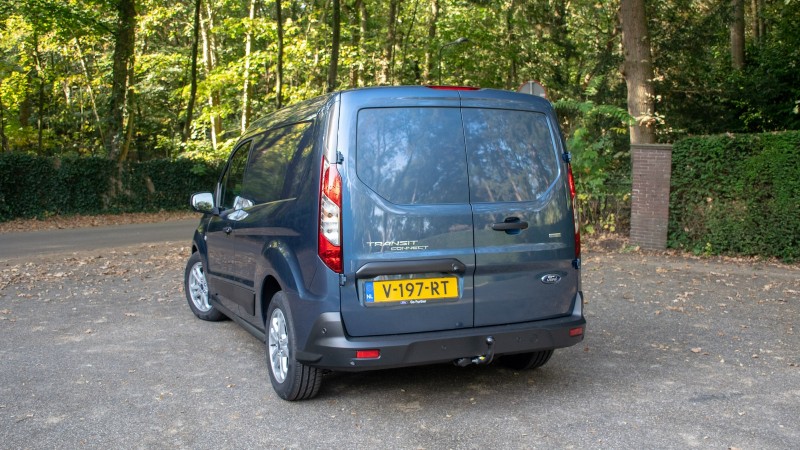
<point>551,278</point>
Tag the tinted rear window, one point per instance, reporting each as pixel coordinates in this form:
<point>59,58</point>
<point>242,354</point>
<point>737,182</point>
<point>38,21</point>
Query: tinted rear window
<point>511,155</point>
<point>413,155</point>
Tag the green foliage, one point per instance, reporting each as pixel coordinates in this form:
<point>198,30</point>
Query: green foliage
<point>83,185</point>
<point>596,137</point>
<point>699,93</point>
<point>737,194</point>
<point>26,183</point>
<point>32,186</point>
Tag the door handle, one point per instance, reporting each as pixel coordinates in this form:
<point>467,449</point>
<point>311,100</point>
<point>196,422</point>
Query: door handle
<point>510,224</point>
<point>227,230</point>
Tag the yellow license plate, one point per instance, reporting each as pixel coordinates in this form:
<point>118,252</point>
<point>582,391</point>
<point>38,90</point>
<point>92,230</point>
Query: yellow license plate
<point>411,289</point>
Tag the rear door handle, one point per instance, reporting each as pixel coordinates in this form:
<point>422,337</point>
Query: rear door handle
<point>510,224</point>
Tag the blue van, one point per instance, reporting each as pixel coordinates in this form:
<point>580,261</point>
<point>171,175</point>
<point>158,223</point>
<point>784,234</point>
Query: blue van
<point>394,226</point>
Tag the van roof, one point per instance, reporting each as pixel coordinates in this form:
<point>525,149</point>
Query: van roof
<point>481,97</point>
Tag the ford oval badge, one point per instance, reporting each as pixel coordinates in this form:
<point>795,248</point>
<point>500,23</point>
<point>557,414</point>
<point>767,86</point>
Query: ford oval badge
<point>551,278</point>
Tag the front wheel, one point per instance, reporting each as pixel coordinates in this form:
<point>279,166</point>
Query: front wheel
<point>196,288</point>
<point>291,379</point>
<point>525,361</point>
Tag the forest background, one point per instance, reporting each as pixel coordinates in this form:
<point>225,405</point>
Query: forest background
<point>141,80</point>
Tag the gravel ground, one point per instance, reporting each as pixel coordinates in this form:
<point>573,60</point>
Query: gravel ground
<point>100,350</point>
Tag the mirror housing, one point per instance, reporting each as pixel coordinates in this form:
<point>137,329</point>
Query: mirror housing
<point>203,202</point>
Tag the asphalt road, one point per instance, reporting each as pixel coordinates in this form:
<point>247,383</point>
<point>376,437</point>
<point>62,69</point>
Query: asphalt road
<point>59,241</point>
<point>98,349</point>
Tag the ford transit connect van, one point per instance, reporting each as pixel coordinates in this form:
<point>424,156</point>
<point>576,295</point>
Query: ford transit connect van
<point>394,226</point>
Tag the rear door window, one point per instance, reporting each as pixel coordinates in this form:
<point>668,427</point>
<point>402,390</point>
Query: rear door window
<point>511,154</point>
<point>413,155</point>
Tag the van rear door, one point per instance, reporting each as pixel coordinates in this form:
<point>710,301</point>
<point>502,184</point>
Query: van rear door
<point>407,221</point>
<point>524,240</point>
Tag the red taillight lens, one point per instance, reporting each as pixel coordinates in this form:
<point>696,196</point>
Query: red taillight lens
<point>368,354</point>
<point>575,218</point>
<point>330,221</point>
<point>575,332</point>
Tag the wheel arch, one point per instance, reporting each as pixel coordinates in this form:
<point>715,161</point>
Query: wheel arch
<point>269,288</point>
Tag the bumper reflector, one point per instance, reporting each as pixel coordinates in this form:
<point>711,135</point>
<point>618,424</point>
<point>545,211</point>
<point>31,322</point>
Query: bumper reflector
<point>575,332</point>
<point>368,354</point>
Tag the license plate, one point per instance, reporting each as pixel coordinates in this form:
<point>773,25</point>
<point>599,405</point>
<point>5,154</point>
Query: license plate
<point>412,289</point>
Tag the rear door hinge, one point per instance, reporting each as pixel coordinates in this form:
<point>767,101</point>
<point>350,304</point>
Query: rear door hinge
<point>567,157</point>
<point>342,279</point>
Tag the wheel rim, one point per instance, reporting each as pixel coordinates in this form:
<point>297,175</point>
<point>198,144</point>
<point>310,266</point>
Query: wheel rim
<point>278,346</point>
<point>198,288</point>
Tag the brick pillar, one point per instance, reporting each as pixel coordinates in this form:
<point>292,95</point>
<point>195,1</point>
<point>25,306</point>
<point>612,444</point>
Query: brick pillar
<point>652,164</point>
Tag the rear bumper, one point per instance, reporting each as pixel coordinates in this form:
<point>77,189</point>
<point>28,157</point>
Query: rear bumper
<point>329,347</point>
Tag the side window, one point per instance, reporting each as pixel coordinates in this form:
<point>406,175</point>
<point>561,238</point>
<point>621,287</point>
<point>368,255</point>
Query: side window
<point>233,180</point>
<point>279,164</point>
<point>511,155</point>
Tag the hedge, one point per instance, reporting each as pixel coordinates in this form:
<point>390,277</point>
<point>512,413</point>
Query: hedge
<point>737,194</point>
<point>32,186</point>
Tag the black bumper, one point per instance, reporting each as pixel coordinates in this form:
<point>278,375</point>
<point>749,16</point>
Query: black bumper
<point>329,346</point>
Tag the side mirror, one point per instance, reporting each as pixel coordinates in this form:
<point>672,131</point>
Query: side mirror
<point>203,202</point>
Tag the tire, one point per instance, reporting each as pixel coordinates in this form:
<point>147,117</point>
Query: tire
<point>526,361</point>
<point>291,379</point>
<point>196,288</point>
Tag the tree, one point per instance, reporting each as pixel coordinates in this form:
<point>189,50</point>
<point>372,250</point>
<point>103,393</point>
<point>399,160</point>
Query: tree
<point>279,64</point>
<point>333,67</point>
<point>210,63</point>
<point>737,34</point>
<point>638,71</point>
<point>391,36</point>
<point>246,87</point>
<point>427,74</point>
<point>123,60</point>
<point>187,126</point>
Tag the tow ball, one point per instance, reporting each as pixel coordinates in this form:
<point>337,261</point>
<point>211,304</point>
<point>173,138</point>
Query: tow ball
<point>480,359</point>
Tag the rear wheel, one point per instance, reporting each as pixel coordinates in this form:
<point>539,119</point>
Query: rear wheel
<point>291,379</point>
<point>525,361</point>
<point>196,288</point>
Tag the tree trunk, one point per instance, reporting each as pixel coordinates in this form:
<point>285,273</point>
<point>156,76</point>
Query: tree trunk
<point>187,126</point>
<point>84,66</point>
<point>427,73</point>
<point>333,68</point>
<point>737,34</point>
<point>209,62</point>
<point>511,42</point>
<point>3,139</point>
<point>279,74</point>
<point>363,27</point>
<point>122,68</point>
<point>391,37</point>
<point>404,40</point>
<point>638,71</point>
<point>40,97</point>
<point>248,42</point>
<point>762,24</point>
<point>126,146</point>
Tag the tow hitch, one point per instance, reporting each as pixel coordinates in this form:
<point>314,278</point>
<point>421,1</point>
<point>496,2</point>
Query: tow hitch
<point>481,359</point>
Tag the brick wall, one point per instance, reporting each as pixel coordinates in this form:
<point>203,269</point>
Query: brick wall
<point>652,164</point>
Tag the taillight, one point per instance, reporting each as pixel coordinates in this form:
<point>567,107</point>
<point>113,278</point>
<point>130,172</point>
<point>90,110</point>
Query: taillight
<point>330,217</point>
<point>575,217</point>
